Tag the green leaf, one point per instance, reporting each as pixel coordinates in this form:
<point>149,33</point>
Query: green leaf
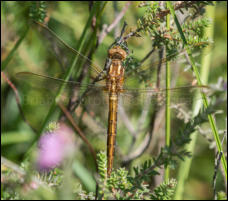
<point>15,137</point>
<point>85,176</point>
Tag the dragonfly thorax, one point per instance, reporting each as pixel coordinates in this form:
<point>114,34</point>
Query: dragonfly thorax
<point>115,77</point>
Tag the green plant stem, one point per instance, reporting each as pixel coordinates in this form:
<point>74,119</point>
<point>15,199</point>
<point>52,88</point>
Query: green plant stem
<point>68,73</point>
<point>185,166</point>
<point>12,52</point>
<point>167,114</point>
<point>84,175</point>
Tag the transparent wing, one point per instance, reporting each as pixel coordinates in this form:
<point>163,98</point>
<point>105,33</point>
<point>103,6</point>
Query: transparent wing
<point>139,89</point>
<point>47,88</point>
<point>184,95</point>
<point>133,96</point>
<point>38,92</point>
<point>43,81</point>
<point>145,72</point>
<point>63,52</point>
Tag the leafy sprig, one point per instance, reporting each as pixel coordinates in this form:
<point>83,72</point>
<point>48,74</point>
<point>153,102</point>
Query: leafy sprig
<point>121,186</point>
<point>38,11</point>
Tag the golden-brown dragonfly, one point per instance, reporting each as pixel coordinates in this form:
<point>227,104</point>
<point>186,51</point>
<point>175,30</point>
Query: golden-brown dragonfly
<point>114,82</point>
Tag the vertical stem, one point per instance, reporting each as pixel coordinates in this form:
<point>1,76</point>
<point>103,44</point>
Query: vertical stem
<point>66,77</point>
<point>204,77</point>
<point>167,111</point>
<point>201,77</point>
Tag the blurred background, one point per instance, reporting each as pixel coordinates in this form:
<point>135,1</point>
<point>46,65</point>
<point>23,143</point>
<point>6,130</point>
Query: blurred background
<point>35,54</point>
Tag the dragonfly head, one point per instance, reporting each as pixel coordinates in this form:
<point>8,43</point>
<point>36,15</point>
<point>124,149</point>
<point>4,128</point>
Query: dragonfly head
<point>117,52</point>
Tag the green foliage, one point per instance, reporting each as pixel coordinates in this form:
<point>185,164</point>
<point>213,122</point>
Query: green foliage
<point>81,194</point>
<point>38,11</point>
<point>165,191</point>
<point>102,166</point>
<point>11,182</point>
<point>121,184</point>
<point>221,195</point>
<point>183,136</point>
<point>152,23</point>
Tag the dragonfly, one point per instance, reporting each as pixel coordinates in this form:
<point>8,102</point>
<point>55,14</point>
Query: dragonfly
<point>114,80</point>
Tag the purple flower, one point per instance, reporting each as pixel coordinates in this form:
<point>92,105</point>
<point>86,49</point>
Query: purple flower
<point>54,147</point>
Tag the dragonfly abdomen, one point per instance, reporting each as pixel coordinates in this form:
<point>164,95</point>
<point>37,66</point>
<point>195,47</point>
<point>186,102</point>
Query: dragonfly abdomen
<point>112,125</point>
<point>114,84</point>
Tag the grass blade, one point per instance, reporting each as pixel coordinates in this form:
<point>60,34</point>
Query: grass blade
<point>167,109</point>
<point>185,166</point>
<point>81,42</point>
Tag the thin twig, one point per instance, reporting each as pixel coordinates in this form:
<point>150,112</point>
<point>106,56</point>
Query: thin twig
<point>143,147</point>
<point>106,29</point>
<point>77,102</point>
<point>161,14</point>
<point>17,100</point>
<point>135,130</point>
<point>147,56</point>
<point>161,52</point>
<point>138,152</point>
<point>126,120</point>
<point>133,33</point>
<point>93,124</point>
<point>146,144</point>
<point>217,163</point>
<point>157,163</point>
<point>79,131</point>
